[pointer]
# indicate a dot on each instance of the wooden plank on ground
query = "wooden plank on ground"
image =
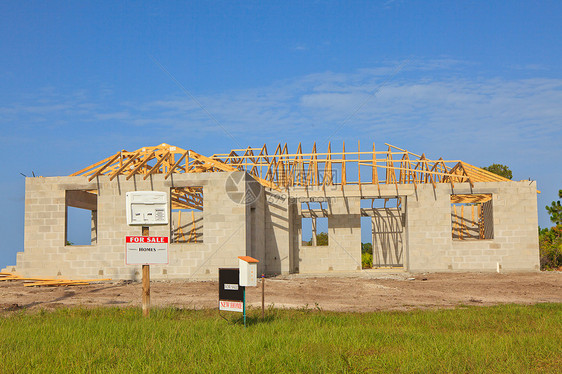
(56, 284)
(64, 282)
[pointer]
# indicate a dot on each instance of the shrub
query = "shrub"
(366, 260)
(550, 244)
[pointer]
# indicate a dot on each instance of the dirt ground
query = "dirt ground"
(359, 292)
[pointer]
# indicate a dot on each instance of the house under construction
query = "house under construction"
(423, 214)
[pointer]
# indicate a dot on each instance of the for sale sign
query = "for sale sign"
(146, 250)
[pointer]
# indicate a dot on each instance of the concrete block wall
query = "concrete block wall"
(515, 243)
(269, 228)
(46, 255)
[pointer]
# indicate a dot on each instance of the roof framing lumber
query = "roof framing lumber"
(283, 169)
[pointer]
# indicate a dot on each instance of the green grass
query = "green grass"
(509, 338)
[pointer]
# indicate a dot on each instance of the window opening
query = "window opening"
(81, 208)
(472, 217)
(314, 223)
(186, 223)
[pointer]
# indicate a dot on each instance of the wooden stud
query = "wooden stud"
(359, 166)
(343, 171)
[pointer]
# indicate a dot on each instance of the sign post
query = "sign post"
(244, 307)
(145, 280)
(146, 250)
(146, 290)
(263, 296)
(146, 208)
(248, 275)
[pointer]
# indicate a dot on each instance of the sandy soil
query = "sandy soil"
(365, 291)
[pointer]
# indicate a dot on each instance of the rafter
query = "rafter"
(284, 170)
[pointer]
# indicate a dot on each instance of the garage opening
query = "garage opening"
(382, 233)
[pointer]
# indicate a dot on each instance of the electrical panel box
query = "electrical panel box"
(248, 271)
(147, 208)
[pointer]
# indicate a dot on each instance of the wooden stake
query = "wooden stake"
(145, 282)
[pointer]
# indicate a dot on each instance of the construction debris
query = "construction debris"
(52, 282)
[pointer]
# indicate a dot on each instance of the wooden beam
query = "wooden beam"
(343, 171)
(87, 169)
(224, 167)
(359, 166)
(156, 166)
(111, 160)
(141, 164)
(124, 166)
(81, 199)
(171, 170)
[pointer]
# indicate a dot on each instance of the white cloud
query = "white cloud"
(420, 104)
(438, 107)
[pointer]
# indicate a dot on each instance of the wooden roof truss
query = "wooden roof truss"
(393, 166)
(282, 169)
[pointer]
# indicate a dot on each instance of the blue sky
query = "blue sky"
(477, 81)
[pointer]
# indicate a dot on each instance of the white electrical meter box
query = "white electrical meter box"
(248, 271)
(147, 208)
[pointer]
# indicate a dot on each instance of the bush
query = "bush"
(550, 245)
(550, 240)
(366, 260)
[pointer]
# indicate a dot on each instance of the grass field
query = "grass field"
(509, 338)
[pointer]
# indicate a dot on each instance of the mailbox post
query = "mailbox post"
(233, 282)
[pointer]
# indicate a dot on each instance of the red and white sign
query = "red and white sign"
(146, 250)
(146, 239)
(231, 306)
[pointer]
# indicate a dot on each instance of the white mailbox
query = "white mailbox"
(248, 271)
(147, 208)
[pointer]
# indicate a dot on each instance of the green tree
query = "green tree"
(367, 248)
(555, 210)
(499, 169)
(550, 240)
(322, 238)
(366, 260)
